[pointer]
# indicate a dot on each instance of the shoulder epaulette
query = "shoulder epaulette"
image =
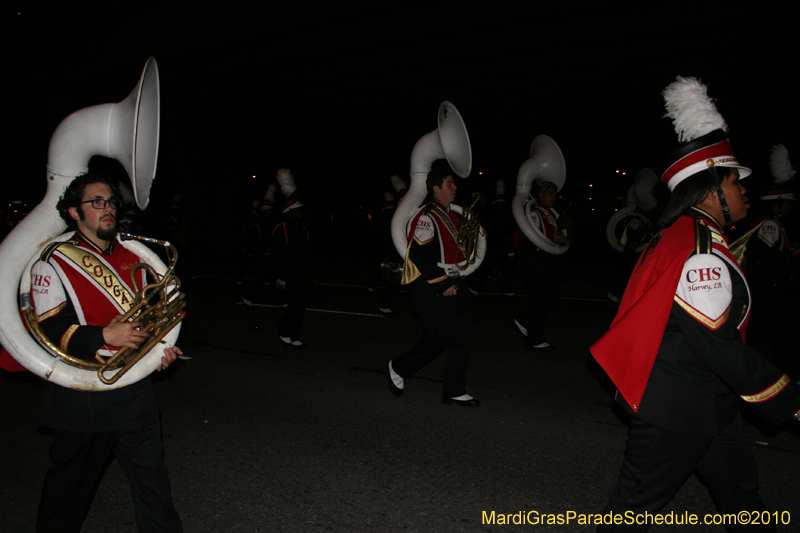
(428, 208)
(53, 246)
(702, 236)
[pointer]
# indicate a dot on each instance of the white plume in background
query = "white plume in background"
(780, 165)
(398, 183)
(270, 194)
(286, 181)
(692, 111)
(499, 188)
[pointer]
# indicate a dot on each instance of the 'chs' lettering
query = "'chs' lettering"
(41, 281)
(703, 274)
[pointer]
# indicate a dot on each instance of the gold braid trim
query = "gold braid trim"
(549, 216)
(448, 223)
(702, 237)
(765, 241)
(68, 337)
(53, 312)
(410, 270)
(769, 392)
(700, 317)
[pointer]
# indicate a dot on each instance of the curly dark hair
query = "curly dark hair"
(74, 195)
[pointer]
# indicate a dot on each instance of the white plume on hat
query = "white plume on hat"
(692, 111)
(398, 183)
(270, 194)
(286, 181)
(499, 188)
(780, 165)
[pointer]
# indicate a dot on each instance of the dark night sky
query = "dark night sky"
(341, 91)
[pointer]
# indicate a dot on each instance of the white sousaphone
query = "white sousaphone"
(546, 163)
(127, 131)
(449, 141)
(640, 195)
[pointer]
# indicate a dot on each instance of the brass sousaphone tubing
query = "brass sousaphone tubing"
(468, 232)
(157, 319)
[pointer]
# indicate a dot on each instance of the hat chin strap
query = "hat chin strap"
(723, 203)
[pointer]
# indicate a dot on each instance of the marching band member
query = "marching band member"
(638, 231)
(251, 252)
(441, 298)
(500, 230)
(676, 348)
(384, 250)
(80, 290)
(291, 253)
(541, 271)
(770, 261)
(255, 270)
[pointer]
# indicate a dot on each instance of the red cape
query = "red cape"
(628, 349)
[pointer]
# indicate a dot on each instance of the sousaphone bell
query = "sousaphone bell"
(450, 141)
(127, 131)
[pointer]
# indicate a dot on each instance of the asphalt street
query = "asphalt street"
(261, 439)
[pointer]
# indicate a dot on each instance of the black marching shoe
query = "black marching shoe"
(394, 389)
(465, 400)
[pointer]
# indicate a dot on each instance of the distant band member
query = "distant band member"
(771, 263)
(541, 271)
(293, 263)
(500, 254)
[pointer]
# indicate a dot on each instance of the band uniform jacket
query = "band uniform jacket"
(676, 348)
(546, 218)
(543, 218)
(77, 290)
(291, 252)
(432, 240)
(768, 255)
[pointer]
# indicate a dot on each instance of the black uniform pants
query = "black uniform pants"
(446, 323)
(298, 295)
(657, 462)
(79, 462)
(541, 274)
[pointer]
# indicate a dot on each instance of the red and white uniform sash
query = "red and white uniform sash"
(433, 225)
(446, 223)
(98, 285)
(546, 218)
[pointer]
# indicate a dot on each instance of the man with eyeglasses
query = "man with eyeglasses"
(80, 290)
